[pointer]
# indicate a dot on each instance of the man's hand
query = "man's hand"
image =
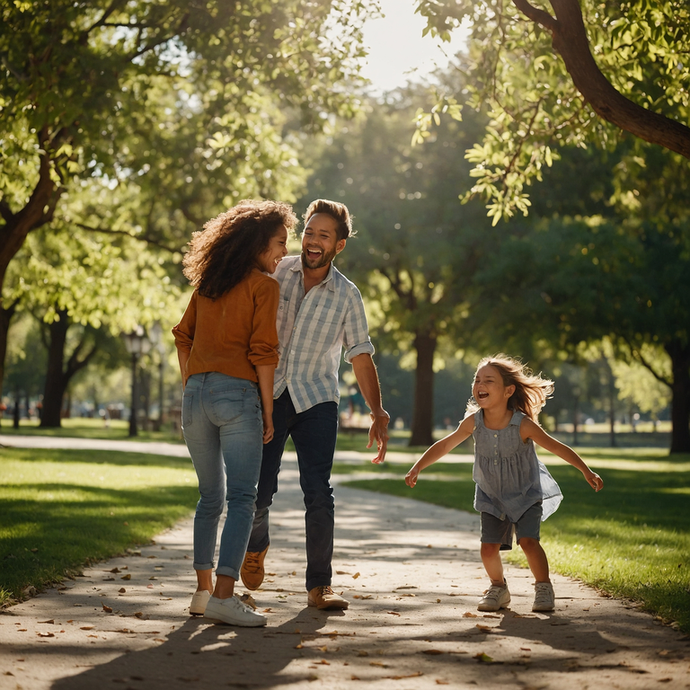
(378, 432)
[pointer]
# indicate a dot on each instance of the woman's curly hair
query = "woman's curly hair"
(531, 390)
(222, 254)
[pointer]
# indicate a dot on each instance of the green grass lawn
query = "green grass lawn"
(631, 540)
(62, 509)
(83, 427)
(348, 440)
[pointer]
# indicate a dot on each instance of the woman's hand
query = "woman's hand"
(268, 428)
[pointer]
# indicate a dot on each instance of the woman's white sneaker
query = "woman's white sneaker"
(233, 612)
(199, 601)
(544, 599)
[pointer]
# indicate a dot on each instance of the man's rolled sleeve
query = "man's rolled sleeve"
(356, 337)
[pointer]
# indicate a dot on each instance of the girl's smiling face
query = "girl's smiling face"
(488, 388)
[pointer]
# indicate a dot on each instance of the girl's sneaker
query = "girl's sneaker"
(544, 599)
(233, 612)
(495, 598)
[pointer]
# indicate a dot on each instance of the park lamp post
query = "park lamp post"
(137, 344)
(156, 338)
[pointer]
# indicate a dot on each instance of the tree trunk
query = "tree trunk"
(16, 415)
(680, 396)
(60, 374)
(423, 415)
(38, 211)
(56, 383)
(5, 319)
(612, 407)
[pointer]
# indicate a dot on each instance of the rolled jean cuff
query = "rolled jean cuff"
(227, 570)
(318, 582)
(202, 566)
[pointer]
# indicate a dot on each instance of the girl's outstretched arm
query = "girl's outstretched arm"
(441, 448)
(528, 429)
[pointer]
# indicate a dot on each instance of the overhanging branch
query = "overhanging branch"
(570, 40)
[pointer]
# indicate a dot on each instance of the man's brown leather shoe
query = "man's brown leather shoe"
(252, 570)
(325, 598)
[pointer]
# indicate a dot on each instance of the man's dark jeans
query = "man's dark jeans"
(314, 434)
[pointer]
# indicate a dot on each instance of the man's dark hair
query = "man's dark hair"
(335, 210)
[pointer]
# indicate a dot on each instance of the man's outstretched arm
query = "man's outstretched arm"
(368, 381)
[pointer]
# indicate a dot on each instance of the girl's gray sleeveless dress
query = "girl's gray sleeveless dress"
(509, 476)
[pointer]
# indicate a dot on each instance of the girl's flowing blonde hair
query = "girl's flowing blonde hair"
(531, 390)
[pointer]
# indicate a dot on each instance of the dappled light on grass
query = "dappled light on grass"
(64, 508)
(631, 540)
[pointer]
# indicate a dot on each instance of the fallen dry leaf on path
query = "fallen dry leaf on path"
(393, 613)
(469, 614)
(483, 658)
(409, 675)
(432, 651)
(128, 576)
(51, 621)
(46, 634)
(249, 600)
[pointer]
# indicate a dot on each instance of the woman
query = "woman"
(228, 350)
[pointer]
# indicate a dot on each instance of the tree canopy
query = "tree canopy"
(164, 111)
(580, 72)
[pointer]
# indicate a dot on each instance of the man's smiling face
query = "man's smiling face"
(320, 241)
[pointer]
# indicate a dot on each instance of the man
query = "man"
(319, 313)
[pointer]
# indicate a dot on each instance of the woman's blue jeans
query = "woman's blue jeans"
(223, 429)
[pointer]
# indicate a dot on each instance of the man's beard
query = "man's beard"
(325, 259)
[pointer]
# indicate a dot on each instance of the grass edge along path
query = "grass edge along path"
(631, 541)
(65, 509)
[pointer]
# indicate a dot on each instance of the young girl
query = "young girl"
(228, 349)
(514, 491)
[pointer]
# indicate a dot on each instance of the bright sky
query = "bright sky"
(398, 52)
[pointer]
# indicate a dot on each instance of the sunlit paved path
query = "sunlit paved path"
(412, 574)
